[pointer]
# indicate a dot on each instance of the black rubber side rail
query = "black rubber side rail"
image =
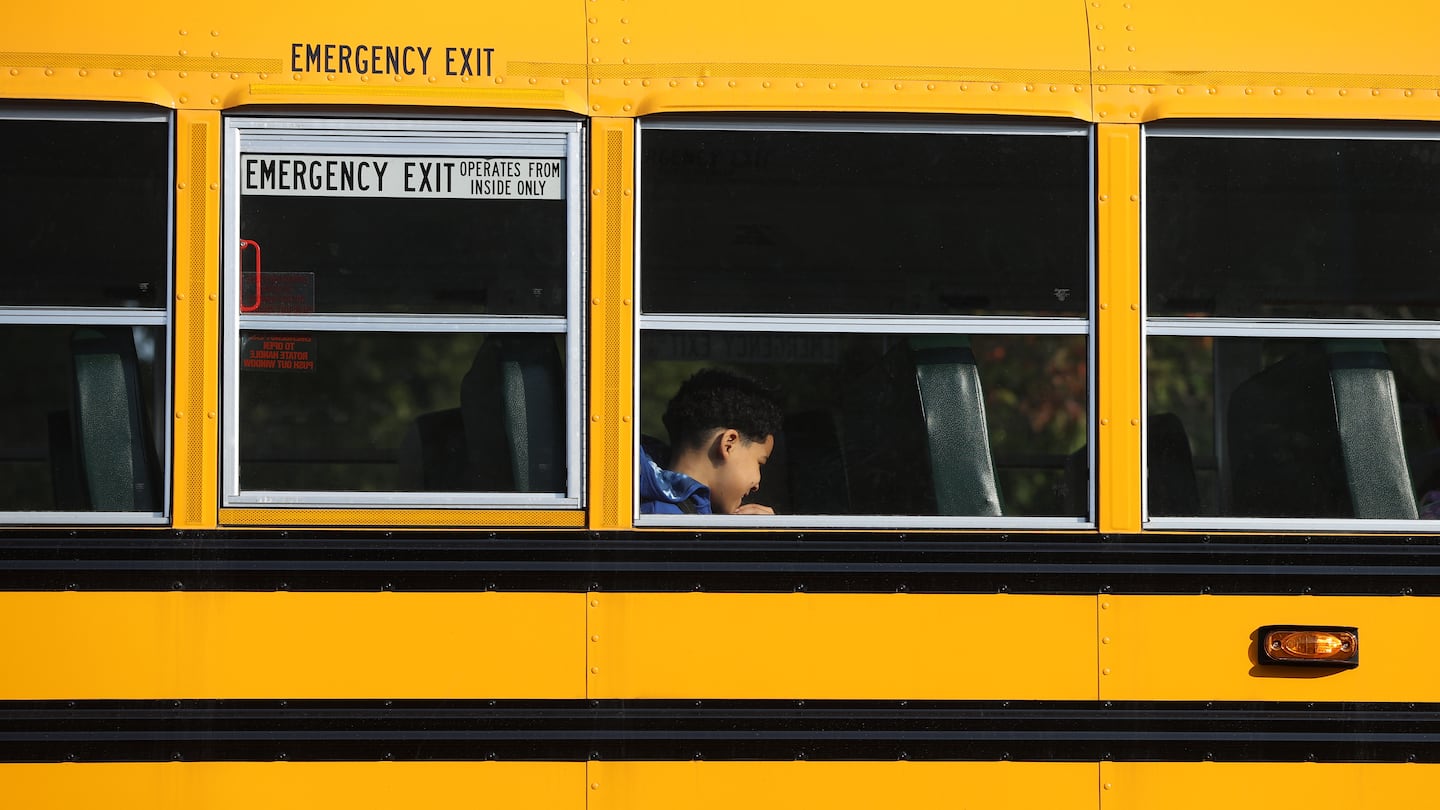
(321, 730)
(577, 561)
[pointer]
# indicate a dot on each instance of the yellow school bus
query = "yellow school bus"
(338, 340)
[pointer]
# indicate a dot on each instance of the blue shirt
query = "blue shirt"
(662, 491)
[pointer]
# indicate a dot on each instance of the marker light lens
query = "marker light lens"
(1310, 645)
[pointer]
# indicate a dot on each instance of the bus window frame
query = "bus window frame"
(863, 324)
(1313, 328)
(164, 318)
(410, 135)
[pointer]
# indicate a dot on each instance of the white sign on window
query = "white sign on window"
(446, 178)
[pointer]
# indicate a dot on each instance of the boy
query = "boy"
(722, 430)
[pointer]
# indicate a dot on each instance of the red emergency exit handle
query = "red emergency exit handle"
(244, 243)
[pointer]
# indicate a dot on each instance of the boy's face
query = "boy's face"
(739, 475)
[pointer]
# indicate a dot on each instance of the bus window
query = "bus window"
(930, 353)
(1289, 378)
(84, 218)
(403, 321)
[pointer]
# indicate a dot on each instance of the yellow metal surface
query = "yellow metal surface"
(837, 785)
(860, 646)
(1202, 648)
(197, 313)
(291, 785)
(1232, 58)
(219, 56)
(1266, 785)
(1118, 477)
(84, 646)
(650, 56)
(612, 322)
(409, 518)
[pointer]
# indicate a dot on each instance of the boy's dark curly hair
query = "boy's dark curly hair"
(713, 399)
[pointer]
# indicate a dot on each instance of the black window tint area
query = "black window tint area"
(851, 223)
(84, 213)
(338, 254)
(82, 433)
(401, 412)
(1293, 227)
(1293, 427)
(984, 425)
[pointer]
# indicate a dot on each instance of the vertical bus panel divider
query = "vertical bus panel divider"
(1120, 475)
(196, 324)
(612, 323)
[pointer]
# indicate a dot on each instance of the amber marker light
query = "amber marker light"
(1305, 645)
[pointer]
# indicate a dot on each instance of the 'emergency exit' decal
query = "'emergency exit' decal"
(409, 177)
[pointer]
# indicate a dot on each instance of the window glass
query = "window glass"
(864, 222)
(899, 424)
(363, 254)
(1251, 227)
(404, 313)
(1293, 427)
(385, 412)
(79, 426)
(84, 213)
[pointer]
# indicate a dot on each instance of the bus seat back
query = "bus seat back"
(111, 435)
(957, 435)
(512, 403)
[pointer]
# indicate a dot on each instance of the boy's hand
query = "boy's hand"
(754, 509)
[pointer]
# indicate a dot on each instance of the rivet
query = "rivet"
(594, 81)
(179, 296)
(1104, 421)
(1102, 88)
(624, 20)
(215, 100)
(119, 73)
(463, 79)
(16, 72)
(214, 75)
(595, 107)
(1052, 88)
(674, 83)
(626, 108)
(1099, 47)
(234, 75)
(732, 83)
(1104, 306)
(183, 32)
(1310, 91)
(597, 638)
(595, 301)
(594, 20)
(1134, 198)
(1079, 88)
(595, 418)
(1104, 605)
(1104, 197)
(499, 79)
(1129, 27)
(179, 414)
(1134, 422)
(625, 40)
(1107, 784)
(627, 192)
(927, 87)
(1249, 90)
(213, 296)
(594, 39)
(625, 419)
(1409, 93)
(1134, 114)
(1279, 91)
(397, 77)
(1211, 91)
(626, 302)
(1179, 91)
(1104, 114)
(1132, 50)
(211, 415)
(214, 186)
(594, 60)
(1374, 92)
(1105, 671)
(594, 785)
(645, 83)
(1344, 92)
(596, 671)
(699, 82)
(1105, 640)
(1150, 90)
(1099, 26)
(331, 78)
(1133, 88)
(533, 80)
(50, 72)
(594, 603)
(215, 54)
(1029, 88)
(564, 81)
(994, 87)
(764, 84)
(595, 192)
(964, 87)
(184, 52)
